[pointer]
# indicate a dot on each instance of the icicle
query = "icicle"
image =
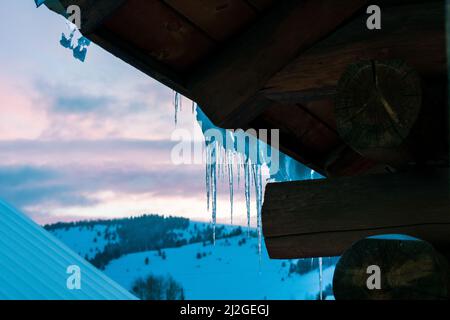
(320, 279)
(238, 168)
(247, 192)
(223, 162)
(230, 182)
(176, 104)
(220, 163)
(214, 188)
(208, 175)
(257, 179)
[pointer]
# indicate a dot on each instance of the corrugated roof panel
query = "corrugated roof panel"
(33, 265)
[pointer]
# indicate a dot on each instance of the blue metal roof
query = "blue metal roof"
(33, 265)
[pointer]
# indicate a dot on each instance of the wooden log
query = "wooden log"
(377, 105)
(409, 32)
(325, 217)
(391, 269)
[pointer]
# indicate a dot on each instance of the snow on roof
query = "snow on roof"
(33, 265)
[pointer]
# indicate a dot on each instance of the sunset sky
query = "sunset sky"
(88, 140)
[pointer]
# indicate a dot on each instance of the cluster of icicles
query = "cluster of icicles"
(225, 163)
(222, 163)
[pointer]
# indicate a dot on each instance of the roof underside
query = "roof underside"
(268, 64)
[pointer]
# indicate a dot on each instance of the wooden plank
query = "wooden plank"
(218, 18)
(409, 33)
(94, 12)
(324, 217)
(160, 32)
(233, 76)
(140, 60)
(260, 5)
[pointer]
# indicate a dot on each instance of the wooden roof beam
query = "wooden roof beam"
(260, 5)
(94, 12)
(228, 82)
(409, 33)
(140, 60)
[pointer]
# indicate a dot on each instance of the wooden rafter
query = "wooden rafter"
(94, 12)
(140, 60)
(227, 83)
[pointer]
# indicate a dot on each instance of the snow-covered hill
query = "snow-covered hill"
(230, 269)
(87, 241)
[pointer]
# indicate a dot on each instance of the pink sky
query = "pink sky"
(88, 140)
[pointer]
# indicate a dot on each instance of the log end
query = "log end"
(380, 269)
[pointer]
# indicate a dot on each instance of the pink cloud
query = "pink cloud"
(23, 114)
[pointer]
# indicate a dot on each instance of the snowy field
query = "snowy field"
(229, 271)
(232, 269)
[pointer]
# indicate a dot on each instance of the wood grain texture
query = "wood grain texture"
(325, 217)
(408, 270)
(160, 32)
(220, 19)
(377, 104)
(408, 32)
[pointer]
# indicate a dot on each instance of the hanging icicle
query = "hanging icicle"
(257, 179)
(214, 188)
(320, 279)
(238, 167)
(230, 182)
(247, 192)
(222, 156)
(208, 176)
(177, 105)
